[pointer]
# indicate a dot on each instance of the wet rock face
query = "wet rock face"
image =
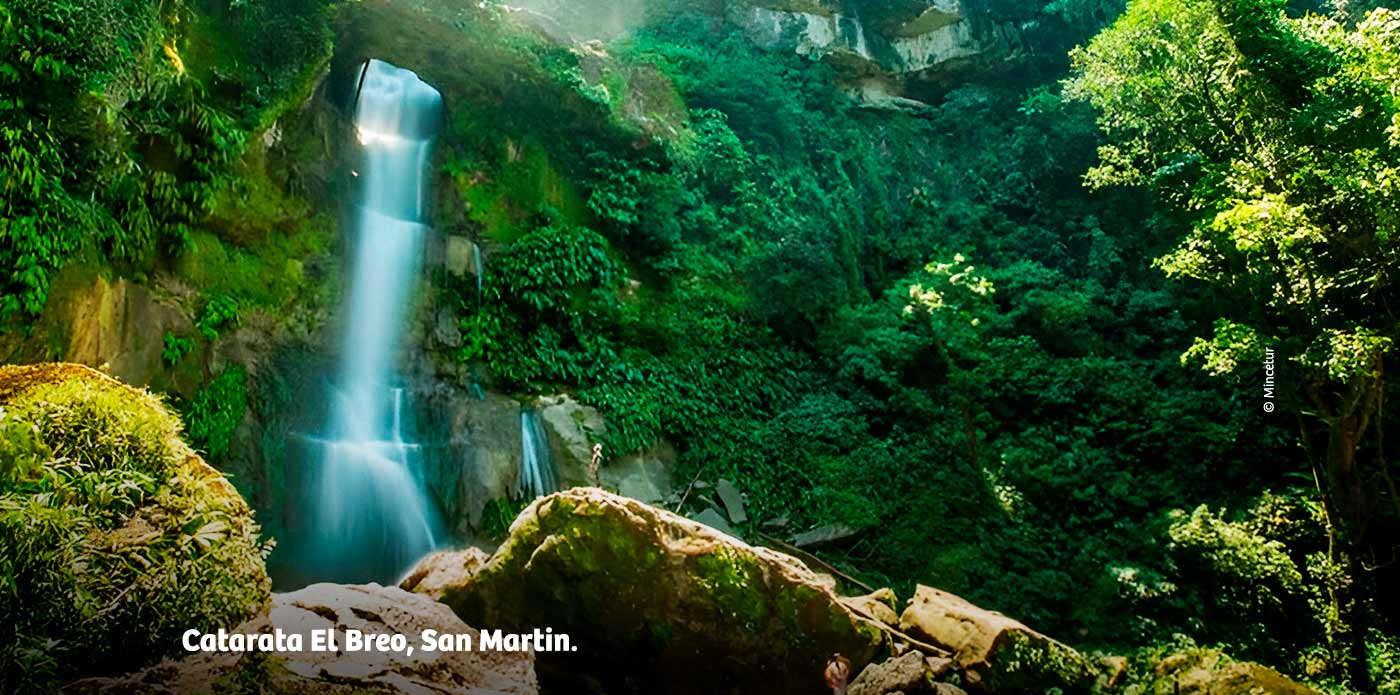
(999, 655)
(368, 609)
(94, 321)
(472, 453)
(573, 429)
(657, 603)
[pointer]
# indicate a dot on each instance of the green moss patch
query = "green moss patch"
(660, 602)
(107, 521)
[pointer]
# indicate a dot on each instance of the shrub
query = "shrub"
(1257, 590)
(102, 542)
(216, 410)
(221, 310)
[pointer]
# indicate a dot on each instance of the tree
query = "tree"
(1276, 141)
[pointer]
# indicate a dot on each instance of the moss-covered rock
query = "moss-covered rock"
(1210, 672)
(114, 536)
(658, 603)
(999, 655)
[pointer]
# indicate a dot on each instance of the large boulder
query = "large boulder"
(438, 573)
(370, 609)
(999, 654)
(107, 521)
(657, 603)
(644, 475)
(574, 428)
(1209, 672)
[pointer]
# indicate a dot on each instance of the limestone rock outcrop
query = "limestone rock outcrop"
(369, 609)
(998, 654)
(939, 42)
(475, 452)
(659, 603)
(572, 429)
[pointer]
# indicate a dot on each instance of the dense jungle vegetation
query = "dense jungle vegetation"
(1017, 336)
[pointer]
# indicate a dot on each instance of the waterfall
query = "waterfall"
(370, 513)
(862, 45)
(537, 476)
(480, 270)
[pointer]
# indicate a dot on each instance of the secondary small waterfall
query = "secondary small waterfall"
(856, 27)
(370, 513)
(537, 477)
(477, 265)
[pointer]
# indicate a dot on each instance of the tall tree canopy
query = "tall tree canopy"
(1275, 144)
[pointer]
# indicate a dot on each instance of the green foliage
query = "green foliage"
(215, 411)
(102, 542)
(717, 245)
(1280, 219)
(221, 310)
(1385, 663)
(1268, 139)
(769, 305)
(498, 515)
(112, 144)
(1258, 588)
(551, 302)
(175, 349)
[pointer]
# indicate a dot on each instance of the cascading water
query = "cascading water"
(853, 26)
(370, 515)
(862, 45)
(477, 264)
(537, 476)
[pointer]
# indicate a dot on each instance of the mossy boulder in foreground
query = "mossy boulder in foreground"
(115, 537)
(655, 602)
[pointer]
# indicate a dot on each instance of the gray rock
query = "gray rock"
(457, 257)
(901, 674)
(572, 429)
(645, 475)
(446, 330)
(371, 609)
(733, 501)
(936, 42)
(714, 520)
(824, 535)
(912, 674)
